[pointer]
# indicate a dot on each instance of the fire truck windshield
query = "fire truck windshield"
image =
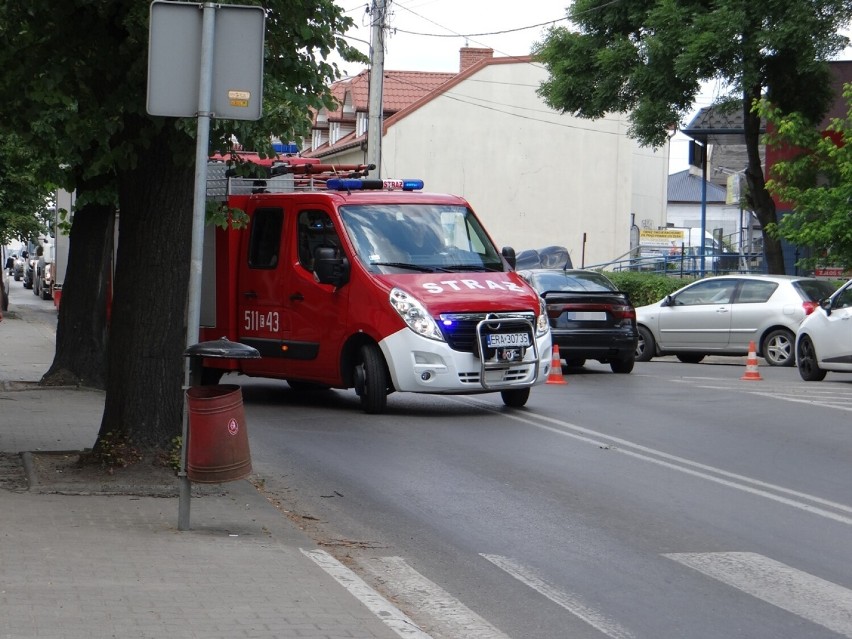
(419, 237)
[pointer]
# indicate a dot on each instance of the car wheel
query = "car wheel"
(646, 346)
(623, 364)
(515, 397)
(806, 359)
(778, 348)
(371, 380)
(690, 358)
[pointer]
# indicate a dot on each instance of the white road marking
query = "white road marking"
(394, 618)
(444, 615)
(680, 464)
(812, 598)
(571, 602)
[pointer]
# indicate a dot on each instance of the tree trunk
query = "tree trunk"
(758, 197)
(81, 333)
(144, 398)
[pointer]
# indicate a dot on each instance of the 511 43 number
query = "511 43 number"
(257, 321)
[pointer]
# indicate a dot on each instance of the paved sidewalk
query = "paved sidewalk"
(91, 567)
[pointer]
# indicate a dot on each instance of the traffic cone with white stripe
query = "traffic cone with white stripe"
(556, 376)
(752, 374)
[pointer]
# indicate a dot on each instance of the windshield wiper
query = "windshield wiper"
(469, 267)
(410, 267)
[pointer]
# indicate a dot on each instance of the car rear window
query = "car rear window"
(755, 292)
(814, 290)
(572, 282)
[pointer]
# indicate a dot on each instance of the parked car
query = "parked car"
(30, 265)
(17, 267)
(5, 281)
(723, 315)
(824, 340)
(589, 317)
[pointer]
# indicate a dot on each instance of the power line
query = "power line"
(473, 35)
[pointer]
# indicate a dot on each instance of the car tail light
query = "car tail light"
(624, 312)
(809, 307)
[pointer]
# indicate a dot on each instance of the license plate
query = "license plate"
(586, 316)
(497, 340)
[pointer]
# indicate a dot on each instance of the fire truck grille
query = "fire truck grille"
(459, 329)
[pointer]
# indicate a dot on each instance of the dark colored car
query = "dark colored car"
(589, 317)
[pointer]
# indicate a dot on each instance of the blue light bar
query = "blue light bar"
(356, 184)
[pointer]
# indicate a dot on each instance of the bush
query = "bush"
(646, 288)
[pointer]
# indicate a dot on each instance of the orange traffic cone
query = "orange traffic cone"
(556, 376)
(752, 374)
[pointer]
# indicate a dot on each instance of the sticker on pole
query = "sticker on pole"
(233, 426)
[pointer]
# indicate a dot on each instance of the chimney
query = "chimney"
(468, 56)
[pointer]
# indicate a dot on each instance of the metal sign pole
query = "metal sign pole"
(193, 312)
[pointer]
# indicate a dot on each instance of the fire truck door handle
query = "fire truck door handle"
(249, 294)
(297, 297)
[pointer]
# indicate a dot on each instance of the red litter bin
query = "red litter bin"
(218, 449)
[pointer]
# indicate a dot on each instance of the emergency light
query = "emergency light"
(356, 184)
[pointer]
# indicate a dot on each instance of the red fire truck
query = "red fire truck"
(344, 282)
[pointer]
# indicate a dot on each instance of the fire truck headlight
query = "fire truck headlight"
(414, 315)
(541, 323)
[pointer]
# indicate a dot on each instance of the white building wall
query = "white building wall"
(723, 216)
(536, 178)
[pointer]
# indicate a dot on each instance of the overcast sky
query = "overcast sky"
(426, 35)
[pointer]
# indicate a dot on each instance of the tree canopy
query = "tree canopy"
(74, 80)
(648, 58)
(24, 196)
(816, 181)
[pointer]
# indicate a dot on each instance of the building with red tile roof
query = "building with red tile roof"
(536, 177)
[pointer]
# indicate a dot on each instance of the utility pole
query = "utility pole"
(377, 73)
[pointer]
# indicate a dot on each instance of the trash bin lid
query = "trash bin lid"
(222, 348)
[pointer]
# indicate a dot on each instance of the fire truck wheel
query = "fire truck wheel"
(371, 381)
(516, 397)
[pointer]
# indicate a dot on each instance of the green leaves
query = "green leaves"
(815, 181)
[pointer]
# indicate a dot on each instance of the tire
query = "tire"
(777, 348)
(515, 397)
(371, 380)
(689, 358)
(806, 359)
(622, 365)
(646, 346)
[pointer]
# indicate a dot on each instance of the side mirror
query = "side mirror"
(509, 255)
(668, 300)
(329, 267)
(826, 305)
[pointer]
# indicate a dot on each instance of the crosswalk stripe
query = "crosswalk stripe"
(571, 602)
(803, 594)
(444, 615)
(394, 618)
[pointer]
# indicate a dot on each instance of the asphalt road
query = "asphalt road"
(678, 501)
(675, 502)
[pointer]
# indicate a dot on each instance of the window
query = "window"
(753, 292)
(265, 238)
(316, 230)
(707, 292)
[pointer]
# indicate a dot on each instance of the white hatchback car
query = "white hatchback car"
(824, 340)
(723, 315)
